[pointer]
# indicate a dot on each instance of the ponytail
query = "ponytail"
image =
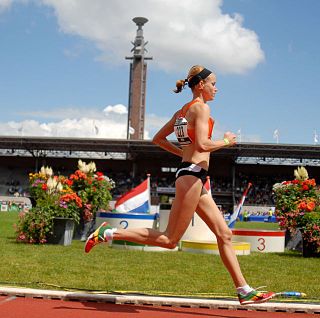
(180, 84)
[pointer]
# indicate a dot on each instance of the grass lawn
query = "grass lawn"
(257, 225)
(180, 273)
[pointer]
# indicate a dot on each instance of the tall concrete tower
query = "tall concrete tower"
(137, 83)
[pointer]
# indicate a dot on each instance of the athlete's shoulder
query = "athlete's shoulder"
(201, 107)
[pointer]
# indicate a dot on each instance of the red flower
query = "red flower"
(69, 182)
(99, 174)
(44, 187)
(74, 177)
(305, 187)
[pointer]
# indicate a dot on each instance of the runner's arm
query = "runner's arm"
(161, 140)
(203, 143)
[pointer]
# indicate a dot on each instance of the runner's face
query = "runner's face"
(210, 89)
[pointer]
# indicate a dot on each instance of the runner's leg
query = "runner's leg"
(211, 215)
(188, 190)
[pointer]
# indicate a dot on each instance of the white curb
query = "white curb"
(160, 301)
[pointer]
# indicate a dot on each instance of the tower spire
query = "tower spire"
(137, 83)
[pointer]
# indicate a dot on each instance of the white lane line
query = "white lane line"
(8, 299)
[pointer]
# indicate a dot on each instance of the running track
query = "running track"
(17, 307)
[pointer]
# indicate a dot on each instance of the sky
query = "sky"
(63, 70)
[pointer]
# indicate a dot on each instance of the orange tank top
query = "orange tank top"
(186, 135)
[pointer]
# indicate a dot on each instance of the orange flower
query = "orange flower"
(311, 182)
(302, 205)
(72, 197)
(310, 206)
(81, 174)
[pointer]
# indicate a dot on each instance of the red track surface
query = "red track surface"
(12, 307)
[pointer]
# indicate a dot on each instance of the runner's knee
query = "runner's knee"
(225, 236)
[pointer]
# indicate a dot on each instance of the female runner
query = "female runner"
(193, 127)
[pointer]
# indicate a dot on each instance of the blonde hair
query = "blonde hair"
(194, 70)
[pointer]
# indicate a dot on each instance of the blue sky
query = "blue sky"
(63, 72)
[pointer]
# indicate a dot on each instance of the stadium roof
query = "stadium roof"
(145, 148)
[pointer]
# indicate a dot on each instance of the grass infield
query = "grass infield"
(171, 273)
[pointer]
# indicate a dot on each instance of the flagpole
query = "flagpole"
(209, 185)
(237, 212)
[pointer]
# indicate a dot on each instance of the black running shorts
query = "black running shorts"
(191, 169)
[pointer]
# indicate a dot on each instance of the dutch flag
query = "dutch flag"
(137, 200)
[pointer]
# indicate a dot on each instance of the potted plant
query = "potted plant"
(310, 228)
(54, 201)
(298, 208)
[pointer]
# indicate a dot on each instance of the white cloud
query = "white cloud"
(5, 4)
(181, 33)
(83, 127)
(117, 109)
(101, 124)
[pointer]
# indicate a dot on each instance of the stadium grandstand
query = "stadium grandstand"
(128, 162)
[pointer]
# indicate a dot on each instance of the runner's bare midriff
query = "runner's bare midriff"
(199, 158)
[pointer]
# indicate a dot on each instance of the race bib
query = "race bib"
(181, 131)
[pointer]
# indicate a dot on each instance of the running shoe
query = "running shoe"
(255, 297)
(97, 237)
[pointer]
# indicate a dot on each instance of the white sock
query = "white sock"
(108, 234)
(244, 290)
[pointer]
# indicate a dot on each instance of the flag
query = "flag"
(95, 128)
(207, 185)
(315, 137)
(137, 200)
(276, 135)
(236, 213)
